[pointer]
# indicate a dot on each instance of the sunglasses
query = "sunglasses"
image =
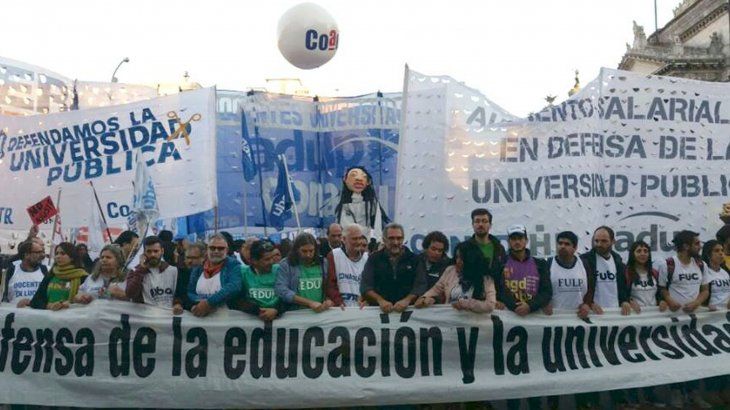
(217, 248)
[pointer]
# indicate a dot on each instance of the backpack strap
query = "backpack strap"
(670, 270)
(701, 264)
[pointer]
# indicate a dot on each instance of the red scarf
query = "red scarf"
(210, 270)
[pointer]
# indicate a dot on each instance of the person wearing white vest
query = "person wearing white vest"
(572, 287)
(23, 279)
(154, 281)
(572, 290)
(681, 284)
(607, 268)
(345, 268)
(717, 276)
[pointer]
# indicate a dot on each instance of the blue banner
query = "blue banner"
(320, 140)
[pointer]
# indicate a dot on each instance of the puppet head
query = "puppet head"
(357, 179)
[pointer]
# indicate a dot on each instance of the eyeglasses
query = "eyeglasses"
(217, 248)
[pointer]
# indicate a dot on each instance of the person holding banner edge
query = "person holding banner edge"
(641, 280)
(154, 281)
(258, 280)
(723, 236)
(717, 277)
(23, 279)
(391, 278)
(527, 286)
(300, 277)
(345, 266)
(108, 277)
(526, 289)
(572, 287)
(217, 282)
(464, 285)
(606, 266)
(59, 288)
(681, 285)
(433, 258)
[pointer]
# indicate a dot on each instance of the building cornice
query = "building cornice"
(704, 22)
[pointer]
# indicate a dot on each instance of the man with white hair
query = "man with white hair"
(345, 268)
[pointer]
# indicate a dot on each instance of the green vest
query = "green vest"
(310, 282)
(260, 287)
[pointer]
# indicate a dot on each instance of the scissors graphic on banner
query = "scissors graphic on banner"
(182, 126)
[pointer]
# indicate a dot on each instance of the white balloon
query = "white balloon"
(308, 36)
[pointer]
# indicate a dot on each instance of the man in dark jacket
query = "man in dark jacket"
(433, 260)
(391, 278)
(607, 269)
(481, 222)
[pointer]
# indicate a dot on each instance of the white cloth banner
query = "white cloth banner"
(646, 155)
(174, 134)
(117, 354)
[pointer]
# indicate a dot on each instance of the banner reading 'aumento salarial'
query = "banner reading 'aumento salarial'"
(646, 155)
(117, 354)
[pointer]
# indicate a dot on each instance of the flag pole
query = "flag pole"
(215, 219)
(258, 166)
(55, 220)
(282, 158)
(101, 212)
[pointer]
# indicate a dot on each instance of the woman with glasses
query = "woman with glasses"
(59, 288)
(301, 275)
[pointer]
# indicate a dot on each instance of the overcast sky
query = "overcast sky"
(515, 52)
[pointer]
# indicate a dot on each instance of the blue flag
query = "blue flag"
(247, 162)
(282, 202)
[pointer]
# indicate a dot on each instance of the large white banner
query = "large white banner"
(117, 354)
(646, 155)
(64, 152)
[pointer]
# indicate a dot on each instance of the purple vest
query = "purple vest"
(521, 278)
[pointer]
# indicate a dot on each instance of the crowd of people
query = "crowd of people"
(345, 269)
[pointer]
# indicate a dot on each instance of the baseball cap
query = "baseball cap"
(517, 229)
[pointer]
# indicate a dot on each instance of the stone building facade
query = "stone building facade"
(694, 44)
